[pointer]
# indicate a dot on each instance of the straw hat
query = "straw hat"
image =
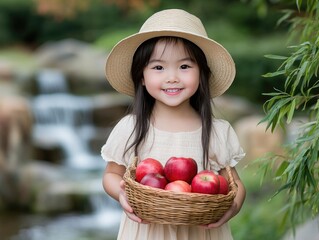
(172, 22)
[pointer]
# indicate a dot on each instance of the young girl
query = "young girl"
(173, 70)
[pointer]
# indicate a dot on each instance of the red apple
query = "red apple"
(155, 180)
(223, 185)
(180, 168)
(148, 165)
(206, 182)
(178, 186)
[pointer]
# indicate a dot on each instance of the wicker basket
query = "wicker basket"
(167, 207)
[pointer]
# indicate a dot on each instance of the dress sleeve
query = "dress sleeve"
(119, 138)
(225, 147)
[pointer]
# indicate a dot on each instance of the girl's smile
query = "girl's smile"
(172, 91)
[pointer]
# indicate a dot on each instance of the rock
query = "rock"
(79, 61)
(254, 138)
(232, 108)
(15, 131)
(50, 188)
(34, 179)
(65, 196)
(6, 70)
(309, 230)
(15, 145)
(108, 108)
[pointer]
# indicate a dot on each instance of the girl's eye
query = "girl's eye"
(184, 66)
(158, 68)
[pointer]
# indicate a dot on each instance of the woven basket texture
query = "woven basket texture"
(167, 207)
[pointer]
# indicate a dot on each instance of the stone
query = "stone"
(254, 138)
(308, 230)
(6, 70)
(232, 108)
(76, 59)
(50, 188)
(15, 131)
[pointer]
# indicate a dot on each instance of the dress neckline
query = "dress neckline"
(180, 132)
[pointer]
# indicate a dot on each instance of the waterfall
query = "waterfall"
(51, 81)
(64, 120)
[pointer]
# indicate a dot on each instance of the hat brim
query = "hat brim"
(119, 61)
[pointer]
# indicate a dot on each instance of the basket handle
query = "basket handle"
(231, 178)
(130, 167)
(134, 162)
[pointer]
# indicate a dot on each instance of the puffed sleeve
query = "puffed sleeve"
(225, 149)
(117, 141)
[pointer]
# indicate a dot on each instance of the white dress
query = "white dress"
(161, 145)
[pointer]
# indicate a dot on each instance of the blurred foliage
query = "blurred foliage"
(260, 217)
(24, 22)
(36, 21)
(104, 22)
(61, 9)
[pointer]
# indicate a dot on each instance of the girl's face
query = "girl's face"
(171, 76)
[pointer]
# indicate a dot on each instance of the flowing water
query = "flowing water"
(64, 120)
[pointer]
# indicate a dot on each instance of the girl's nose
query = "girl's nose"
(172, 77)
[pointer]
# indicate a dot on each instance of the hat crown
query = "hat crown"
(174, 20)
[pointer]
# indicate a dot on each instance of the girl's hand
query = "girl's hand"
(232, 211)
(126, 206)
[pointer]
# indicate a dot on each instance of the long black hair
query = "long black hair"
(143, 103)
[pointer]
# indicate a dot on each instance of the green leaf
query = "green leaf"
(274, 74)
(291, 111)
(275, 113)
(287, 15)
(291, 79)
(302, 70)
(298, 2)
(284, 187)
(281, 168)
(290, 61)
(310, 177)
(278, 57)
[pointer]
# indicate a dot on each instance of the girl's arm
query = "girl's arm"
(237, 203)
(114, 186)
(111, 179)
